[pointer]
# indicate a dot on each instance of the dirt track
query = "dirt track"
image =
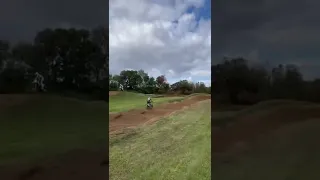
(78, 164)
(132, 118)
(9, 100)
(253, 126)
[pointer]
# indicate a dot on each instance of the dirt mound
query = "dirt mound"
(9, 100)
(251, 126)
(113, 93)
(79, 164)
(132, 118)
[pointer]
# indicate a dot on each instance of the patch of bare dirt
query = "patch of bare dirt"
(250, 127)
(78, 164)
(132, 118)
(9, 100)
(113, 93)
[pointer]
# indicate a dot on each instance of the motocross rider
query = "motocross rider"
(149, 100)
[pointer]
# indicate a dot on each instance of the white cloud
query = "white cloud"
(159, 37)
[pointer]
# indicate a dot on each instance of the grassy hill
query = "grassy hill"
(124, 101)
(33, 126)
(177, 147)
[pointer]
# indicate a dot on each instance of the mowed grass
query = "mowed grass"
(289, 152)
(50, 125)
(125, 101)
(178, 147)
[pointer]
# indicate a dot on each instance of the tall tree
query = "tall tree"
(4, 51)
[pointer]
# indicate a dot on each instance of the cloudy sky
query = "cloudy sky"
(273, 31)
(170, 37)
(20, 20)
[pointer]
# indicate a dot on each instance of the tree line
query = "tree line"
(140, 81)
(75, 61)
(57, 60)
(239, 82)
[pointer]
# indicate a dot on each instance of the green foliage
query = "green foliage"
(141, 82)
(4, 51)
(130, 79)
(238, 82)
(77, 60)
(68, 59)
(12, 79)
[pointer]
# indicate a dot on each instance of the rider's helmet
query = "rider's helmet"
(149, 98)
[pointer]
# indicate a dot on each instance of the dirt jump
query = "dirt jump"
(269, 140)
(250, 127)
(78, 164)
(9, 100)
(133, 118)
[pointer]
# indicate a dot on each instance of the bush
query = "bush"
(13, 80)
(113, 86)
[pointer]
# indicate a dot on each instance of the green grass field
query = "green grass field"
(125, 101)
(178, 147)
(50, 125)
(288, 152)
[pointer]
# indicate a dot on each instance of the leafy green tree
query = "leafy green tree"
(99, 56)
(4, 52)
(12, 79)
(130, 79)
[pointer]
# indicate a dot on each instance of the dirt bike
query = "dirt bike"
(149, 105)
